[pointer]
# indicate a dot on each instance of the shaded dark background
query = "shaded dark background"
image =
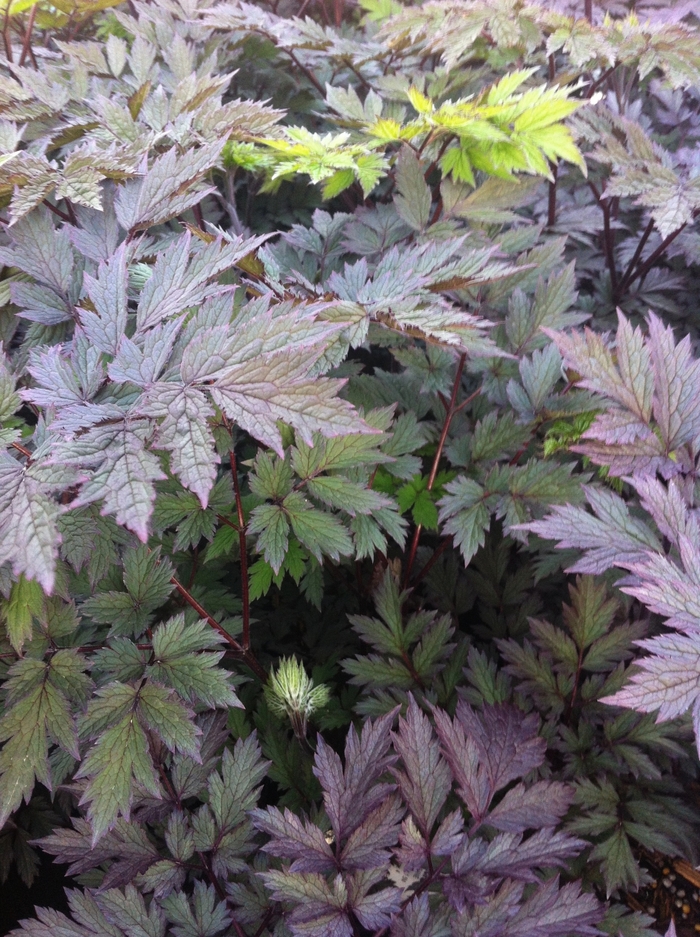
(17, 901)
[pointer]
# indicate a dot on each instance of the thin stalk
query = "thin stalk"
(449, 414)
(23, 449)
(577, 680)
(245, 592)
(435, 217)
(428, 139)
(6, 34)
(27, 44)
(588, 10)
(608, 238)
(433, 560)
(609, 246)
(593, 87)
(637, 254)
(552, 199)
(269, 914)
(225, 520)
(358, 74)
(441, 153)
(245, 653)
(307, 71)
(71, 214)
(644, 268)
(57, 211)
(552, 194)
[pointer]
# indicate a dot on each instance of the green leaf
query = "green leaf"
(42, 715)
(225, 540)
(414, 199)
(464, 514)
(260, 576)
(311, 584)
(424, 510)
(339, 492)
(270, 522)
(183, 660)
(319, 532)
(209, 918)
(271, 477)
(617, 862)
(118, 759)
(170, 719)
(339, 452)
(147, 581)
(408, 494)
(590, 614)
(26, 601)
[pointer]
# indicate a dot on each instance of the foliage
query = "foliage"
(651, 406)
(294, 400)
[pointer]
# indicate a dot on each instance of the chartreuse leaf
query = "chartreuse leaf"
(503, 132)
(379, 10)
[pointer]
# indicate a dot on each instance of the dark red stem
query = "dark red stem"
(245, 653)
(27, 44)
(644, 268)
(635, 259)
(449, 414)
(6, 34)
(245, 592)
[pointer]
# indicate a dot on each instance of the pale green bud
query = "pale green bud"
(290, 692)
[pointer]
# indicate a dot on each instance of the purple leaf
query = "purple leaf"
(448, 834)
(507, 740)
(367, 846)
(372, 909)
(420, 920)
(426, 780)
(351, 794)
(555, 912)
(293, 838)
(541, 805)
(490, 918)
(321, 908)
(462, 755)
(413, 850)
